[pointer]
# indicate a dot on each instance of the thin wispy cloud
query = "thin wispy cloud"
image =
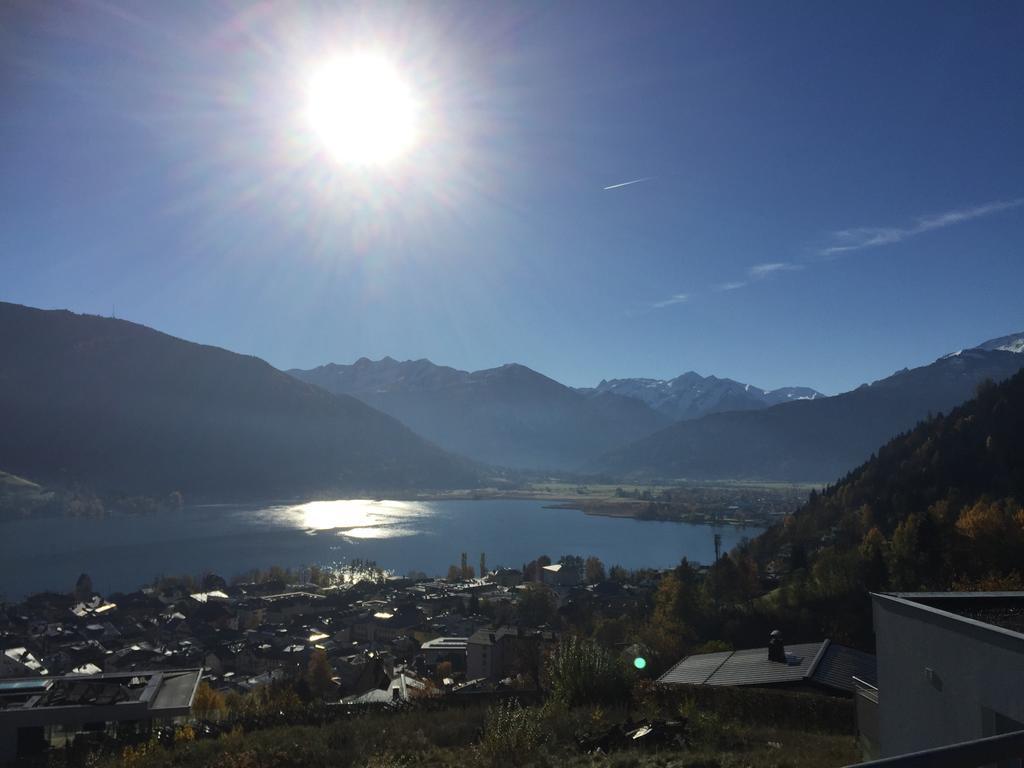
(844, 241)
(763, 270)
(859, 238)
(629, 183)
(678, 298)
(759, 272)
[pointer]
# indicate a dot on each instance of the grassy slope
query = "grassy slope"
(450, 737)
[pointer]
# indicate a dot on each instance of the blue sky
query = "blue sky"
(834, 190)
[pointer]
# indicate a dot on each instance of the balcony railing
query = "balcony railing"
(866, 701)
(967, 754)
(865, 690)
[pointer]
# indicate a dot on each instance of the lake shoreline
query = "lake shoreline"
(122, 551)
(595, 506)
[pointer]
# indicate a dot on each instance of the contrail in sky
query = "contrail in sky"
(627, 183)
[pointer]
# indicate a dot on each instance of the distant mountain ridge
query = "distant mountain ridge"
(814, 440)
(386, 375)
(123, 409)
(691, 395)
(510, 415)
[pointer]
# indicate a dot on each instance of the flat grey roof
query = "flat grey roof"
(1001, 613)
(445, 643)
(177, 691)
(1000, 609)
(160, 693)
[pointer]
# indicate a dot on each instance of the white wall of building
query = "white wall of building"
(942, 678)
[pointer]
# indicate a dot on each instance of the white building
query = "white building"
(950, 669)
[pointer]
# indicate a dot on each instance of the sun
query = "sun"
(362, 109)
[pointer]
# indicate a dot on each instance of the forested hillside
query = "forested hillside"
(937, 508)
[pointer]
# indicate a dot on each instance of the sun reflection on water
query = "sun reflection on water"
(353, 518)
(376, 532)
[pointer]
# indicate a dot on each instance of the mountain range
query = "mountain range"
(691, 395)
(817, 439)
(692, 426)
(510, 416)
(123, 409)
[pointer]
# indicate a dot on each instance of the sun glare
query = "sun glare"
(362, 110)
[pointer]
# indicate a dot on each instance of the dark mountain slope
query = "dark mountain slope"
(945, 495)
(813, 440)
(509, 415)
(938, 508)
(122, 408)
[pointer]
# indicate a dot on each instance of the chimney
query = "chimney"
(776, 650)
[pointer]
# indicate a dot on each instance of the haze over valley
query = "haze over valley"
(511, 384)
(122, 410)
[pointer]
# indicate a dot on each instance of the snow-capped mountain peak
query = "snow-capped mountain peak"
(1012, 343)
(690, 395)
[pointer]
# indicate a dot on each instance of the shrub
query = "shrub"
(777, 709)
(208, 704)
(511, 733)
(709, 729)
(581, 672)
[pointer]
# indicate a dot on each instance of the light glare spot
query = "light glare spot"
(362, 110)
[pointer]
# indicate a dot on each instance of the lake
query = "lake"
(123, 552)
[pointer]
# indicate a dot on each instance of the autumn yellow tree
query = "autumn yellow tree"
(208, 703)
(666, 633)
(319, 674)
(872, 557)
(987, 523)
(995, 530)
(904, 553)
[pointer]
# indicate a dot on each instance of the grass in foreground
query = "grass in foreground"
(502, 735)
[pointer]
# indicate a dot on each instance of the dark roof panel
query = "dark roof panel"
(752, 667)
(695, 670)
(839, 665)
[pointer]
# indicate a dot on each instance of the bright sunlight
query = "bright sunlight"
(362, 110)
